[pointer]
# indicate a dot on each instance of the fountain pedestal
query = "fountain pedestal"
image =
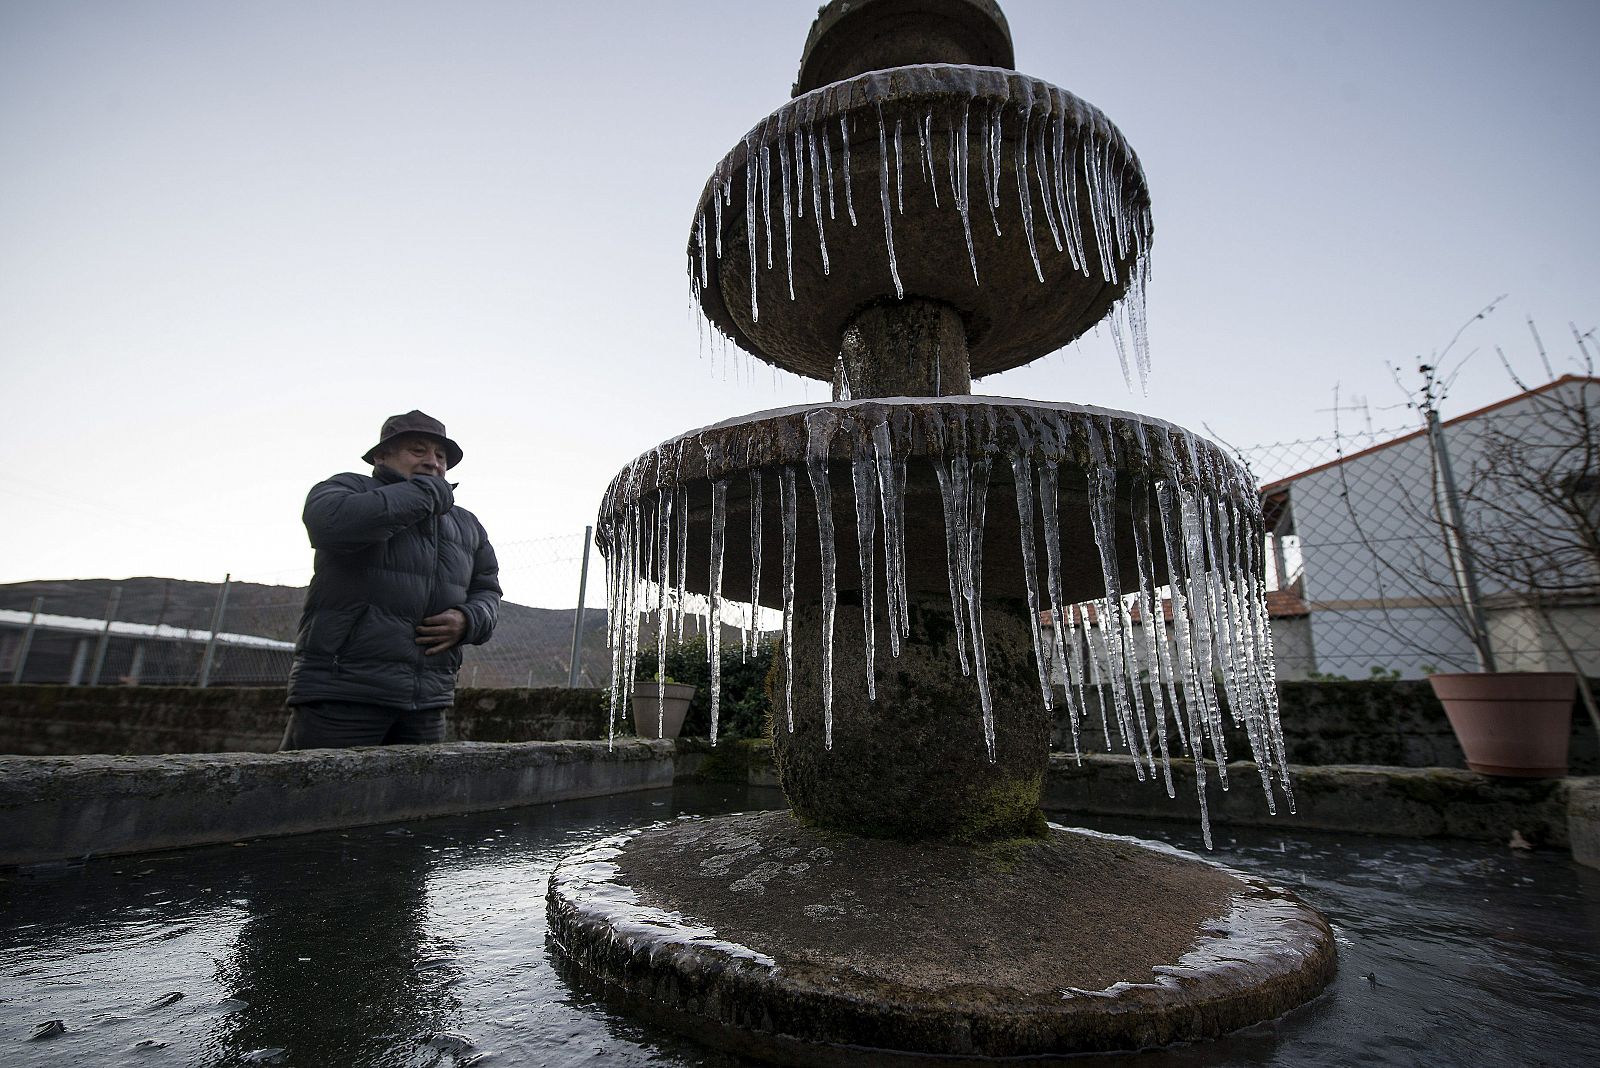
(913, 764)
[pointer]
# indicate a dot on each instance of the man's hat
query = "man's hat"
(414, 422)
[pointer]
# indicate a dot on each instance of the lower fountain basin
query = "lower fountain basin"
(764, 936)
(1112, 522)
(749, 454)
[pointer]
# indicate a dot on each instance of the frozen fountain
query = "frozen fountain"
(920, 215)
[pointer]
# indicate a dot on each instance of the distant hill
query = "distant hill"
(530, 648)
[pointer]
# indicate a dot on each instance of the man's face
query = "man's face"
(414, 454)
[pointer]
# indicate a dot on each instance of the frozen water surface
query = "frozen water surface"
(423, 944)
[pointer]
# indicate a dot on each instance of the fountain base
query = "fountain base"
(761, 935)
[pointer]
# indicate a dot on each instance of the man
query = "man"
(403, 579)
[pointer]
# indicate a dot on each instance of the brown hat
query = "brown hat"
(414, 422)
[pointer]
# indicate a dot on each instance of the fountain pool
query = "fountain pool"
(423, 945)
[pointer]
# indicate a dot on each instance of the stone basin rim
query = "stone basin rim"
(1268, 946)
(625, 488)
(917, 83)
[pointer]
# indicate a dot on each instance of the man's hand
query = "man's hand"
(441, 632)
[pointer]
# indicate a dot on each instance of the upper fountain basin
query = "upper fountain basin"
(1013, 201)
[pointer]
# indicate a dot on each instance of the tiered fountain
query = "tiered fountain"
(920, 215)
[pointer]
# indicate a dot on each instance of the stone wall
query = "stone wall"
(56, 809)
(1393, 724)
(58, 720)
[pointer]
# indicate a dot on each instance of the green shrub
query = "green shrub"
(744, 710)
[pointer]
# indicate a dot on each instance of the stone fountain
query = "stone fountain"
(918, 216)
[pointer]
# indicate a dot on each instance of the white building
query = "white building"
(1360, 542)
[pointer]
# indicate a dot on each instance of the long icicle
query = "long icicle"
(820, 426)
(888, 211)
(786, 495)
(1022, 475)
(863, 475)
(719, 512)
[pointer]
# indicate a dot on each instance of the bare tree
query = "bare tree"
(1521, 527)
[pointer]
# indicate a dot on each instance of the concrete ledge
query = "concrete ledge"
(1583, 821)
(59, 808)
(1406, 802)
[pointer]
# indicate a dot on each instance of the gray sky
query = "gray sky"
(233, 237)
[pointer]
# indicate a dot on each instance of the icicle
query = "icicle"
(799, 175)
(788, 208)
(1102, 516)
(849, 179)
(1060, 612)
(787, 498)
(700, 243)
(888, 216)
(752, 630)
(955, 513)
(750, 225)
(991, 163)
(972, 590)
(863, 474)
(1163, 692)
(820, 426)
(891, 485)
(1076, 700)
(766, 199)
(1022, 475)
(682, 570)
(1024, 197)
(963, 200)
(663, 615)
(716, 208)
(827, 166)
(816, 195)
(841, 378)
(1041, 173)
(899, 167)
(719, 510)
(925, 133)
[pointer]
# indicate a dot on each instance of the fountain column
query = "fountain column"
(908, 348)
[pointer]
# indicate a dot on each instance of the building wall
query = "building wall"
(1376, 568)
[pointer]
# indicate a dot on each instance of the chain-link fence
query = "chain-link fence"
(1396, 553)
(1371, 572)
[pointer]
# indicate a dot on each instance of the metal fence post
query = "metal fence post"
(1466, 573)
(216, 625)
(105, 636)
(577, 620)
(27, 641)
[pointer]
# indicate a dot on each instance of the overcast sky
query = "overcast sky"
(234, 237)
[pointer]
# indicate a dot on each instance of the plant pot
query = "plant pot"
(665, 712)
(1512, 723)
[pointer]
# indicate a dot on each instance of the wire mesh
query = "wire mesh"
(1364, 570)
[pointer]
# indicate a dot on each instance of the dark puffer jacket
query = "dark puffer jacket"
(390, 552)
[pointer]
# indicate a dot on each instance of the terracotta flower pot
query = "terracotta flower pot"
(1512, 723)
(665, 713)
